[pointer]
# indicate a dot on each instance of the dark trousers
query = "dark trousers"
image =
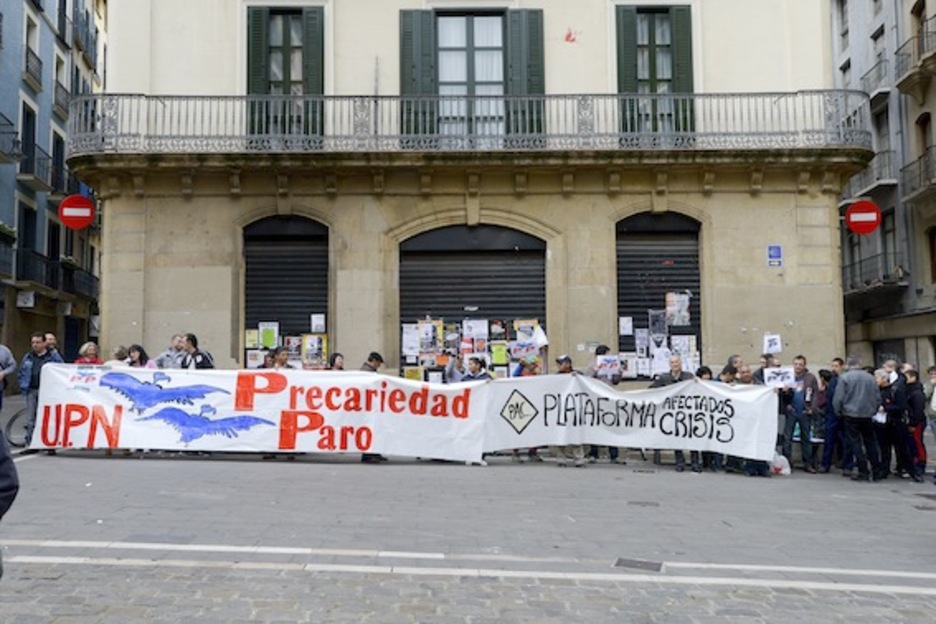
(835, 438)
(693, 457)
(612, 452)
(860, 435)
(893, 440)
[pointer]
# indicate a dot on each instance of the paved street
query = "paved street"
(328, 539)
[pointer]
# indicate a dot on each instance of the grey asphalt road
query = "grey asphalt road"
(233, 538)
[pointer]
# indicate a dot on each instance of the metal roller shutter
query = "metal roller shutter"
(651, 264)
(480, 272)
(286, 266)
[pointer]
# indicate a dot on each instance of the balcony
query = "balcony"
(915, 62)
(876, 82)
(84, 38)
(36, 169)
(63, 185)
(77, 281)
(687, 126)
(881, 172)
(64, 26)
(879, 273)
(32, 70)
(35, 269)
(10, 151)
(6, 258)
(918, 179)
(60, 106)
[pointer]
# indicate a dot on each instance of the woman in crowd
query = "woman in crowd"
(88, 354)
(138, 357)
(335, 361)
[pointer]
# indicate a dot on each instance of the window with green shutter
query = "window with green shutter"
(654, 56)
(285, 65)
(455, 69)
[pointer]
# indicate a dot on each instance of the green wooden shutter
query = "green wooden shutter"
(681, 21)
(258, 49)
(526, 76)
(418, 72)
(313, 50)
(627, 49)
(258, 72)
(313, 69)
(626, 22)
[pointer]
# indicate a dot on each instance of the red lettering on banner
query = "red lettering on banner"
(289, 426)
(44, 428)
(247, 387)
(397, 400)
(332, 398)
(75, 416)
(460, 405)
(361, 437)
(111, 428)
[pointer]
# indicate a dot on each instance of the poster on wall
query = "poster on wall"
(430, 336)
(269, 334)
(251, 339)
(317, 323)
(314, 350)
(657, 322)
(254, 358)
(410, 339)
(293, 346)
(772, 343)
(642, 342)
(625, 325)
(677, 309)
(498, 330)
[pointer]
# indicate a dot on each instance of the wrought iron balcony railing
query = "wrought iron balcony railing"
(881, 170)
(63, 182)
(32, 266)
(6, 258)
(32, 70)
(80, 282)
(874, 272)
(61, 99)
(10, 148)
(100, 123)
(37, 163)
(876, 78)
(920, 175)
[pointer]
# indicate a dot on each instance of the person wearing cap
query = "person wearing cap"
(373, 363)
(567, 452)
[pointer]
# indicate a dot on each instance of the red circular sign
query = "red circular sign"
(863, 217)
(76, 212)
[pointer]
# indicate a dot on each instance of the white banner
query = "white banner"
(325, 412)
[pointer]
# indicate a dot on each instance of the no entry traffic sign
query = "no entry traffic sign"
(76, 212)
(863, 217)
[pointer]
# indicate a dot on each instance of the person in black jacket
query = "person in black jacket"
(9, 484)
(916, 425)
(890, 432)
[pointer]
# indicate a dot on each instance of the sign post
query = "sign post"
(76, 212)
(863, 217)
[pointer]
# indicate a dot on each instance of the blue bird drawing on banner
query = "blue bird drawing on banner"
(195, 426)
(147, 394)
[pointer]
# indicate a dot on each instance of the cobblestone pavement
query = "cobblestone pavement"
(233, 538)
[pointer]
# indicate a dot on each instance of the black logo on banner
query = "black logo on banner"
(518, 411)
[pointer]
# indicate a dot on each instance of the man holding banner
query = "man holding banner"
(675, 375)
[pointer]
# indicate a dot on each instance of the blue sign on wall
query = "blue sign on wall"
(775, 255)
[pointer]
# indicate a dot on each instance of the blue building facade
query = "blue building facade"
(49, 51)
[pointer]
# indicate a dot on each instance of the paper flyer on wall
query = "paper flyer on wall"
(625, 325)
(409, 339)
(251, 339)
(269, 334)
(642, 342)
(677, 309)
(430, 336)
(628, 365)
(317, 323)
(773, 343)
(500, 354)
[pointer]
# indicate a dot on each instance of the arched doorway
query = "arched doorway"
(286, 273)
(489, 274)
(658, 269)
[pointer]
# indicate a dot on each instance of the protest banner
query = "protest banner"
(350, 411)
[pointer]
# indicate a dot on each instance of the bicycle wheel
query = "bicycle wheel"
(16, 428)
